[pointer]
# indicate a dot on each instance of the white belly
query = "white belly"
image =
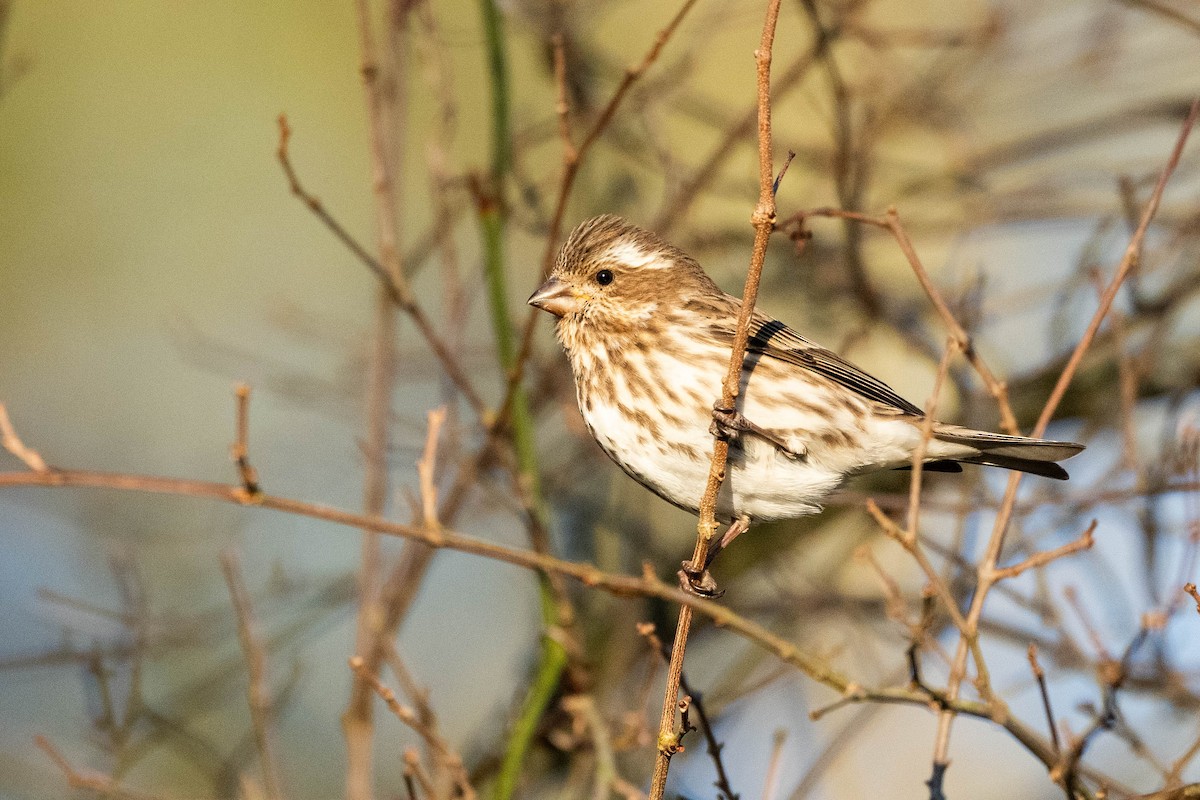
(670, 453)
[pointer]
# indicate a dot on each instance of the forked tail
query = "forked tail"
(1021, 453)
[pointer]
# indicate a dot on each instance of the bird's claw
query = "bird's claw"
(729, 424)
(699, 582)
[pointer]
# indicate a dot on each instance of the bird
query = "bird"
(649, 336)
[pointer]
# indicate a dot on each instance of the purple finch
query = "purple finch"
(649, 335)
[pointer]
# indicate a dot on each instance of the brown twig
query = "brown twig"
(1039, 675)
(714, 747)
(771, 784)
(13, 444)
(102, 784)
(953, 346)
(1190, 589)
(239, 451)
(258, 695)
(562, 108)
(890, 221)
(357, 720)
(392, 280)
(432, 738)
(1041, 559)
(414, 771)
(426, 467)
(763, 220)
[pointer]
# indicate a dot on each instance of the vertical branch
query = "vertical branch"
(763, 220)
(239, 451)
(258, 696)
(556, 610)
(357, 720)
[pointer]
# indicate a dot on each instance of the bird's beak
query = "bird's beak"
(555, 296)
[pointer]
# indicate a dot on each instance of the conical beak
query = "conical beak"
(555, 296)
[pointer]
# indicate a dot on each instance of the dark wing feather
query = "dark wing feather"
(771, 338)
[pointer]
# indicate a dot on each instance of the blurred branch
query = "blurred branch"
(397, 289)
(357, 720)
(555, 607)
(436, 741)
(258, 695)
(13, 444)
(89, 781)
(240, 450)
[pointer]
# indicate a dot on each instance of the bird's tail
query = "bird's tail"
(1021, 453)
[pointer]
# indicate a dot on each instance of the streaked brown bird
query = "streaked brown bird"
(649, 335)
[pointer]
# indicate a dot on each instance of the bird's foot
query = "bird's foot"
(699, 582)
(729, 424)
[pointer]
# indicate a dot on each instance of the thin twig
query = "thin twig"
(1190, 588)
(102, 784)
(396, 289)
(357, 720)
(410, 718)
(918, 458)
(426, 467)
(714, 747)
(763, 220)
(258, 695)
(1039, 675)
(13, 444)
(239, 451)
(771, 784)
(1041, 559)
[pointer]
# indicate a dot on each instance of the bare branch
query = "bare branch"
(239, 451)
(1084, 542)
(258, 695)
(13, 444)
(763, 220)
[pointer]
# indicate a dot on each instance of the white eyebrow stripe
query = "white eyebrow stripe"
(633, 256)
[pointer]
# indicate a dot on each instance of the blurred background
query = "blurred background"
(152, 256)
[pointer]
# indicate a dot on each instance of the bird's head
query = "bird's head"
(611, 276)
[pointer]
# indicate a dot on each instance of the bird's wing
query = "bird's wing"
(772, 339)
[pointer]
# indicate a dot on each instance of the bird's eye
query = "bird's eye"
(604, 277)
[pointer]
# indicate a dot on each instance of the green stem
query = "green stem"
(552, 659)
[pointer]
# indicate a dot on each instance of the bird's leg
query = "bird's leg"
(729, 424)
(700, 581)
(736, 529)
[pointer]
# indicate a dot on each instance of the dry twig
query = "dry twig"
(258, 694)
(763, 220)
(13, 444)
(239, 451)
